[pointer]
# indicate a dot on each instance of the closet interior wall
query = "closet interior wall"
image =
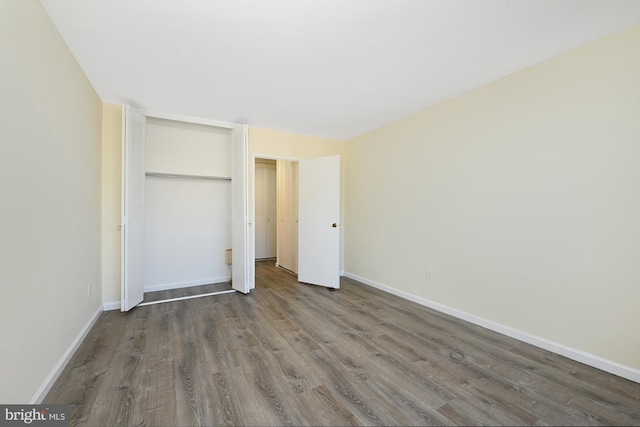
(187, 214)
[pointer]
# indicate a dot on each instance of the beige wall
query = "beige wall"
(522, 197)
(291, 145)
(50, 191)
(111, 216)
(285, 145)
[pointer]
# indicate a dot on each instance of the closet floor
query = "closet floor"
(185, 292)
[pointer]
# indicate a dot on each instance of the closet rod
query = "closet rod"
(185, 176)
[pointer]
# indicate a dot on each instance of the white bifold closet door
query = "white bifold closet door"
(132, 229)
(242, 269)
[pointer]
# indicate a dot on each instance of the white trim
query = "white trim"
(114, 305)
(273, 157)
(64, 360)
(123, 148)
(188, 119)
(180, 285)
(252, 213)
(142, 304)
(571, 353)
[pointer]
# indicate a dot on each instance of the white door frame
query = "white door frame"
(252, 211)
(174, 117)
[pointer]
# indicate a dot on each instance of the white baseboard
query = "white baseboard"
(571, 353)
(179, 285)
(57, 370)
(108, 306)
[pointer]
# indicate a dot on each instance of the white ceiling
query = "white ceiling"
(331, 68)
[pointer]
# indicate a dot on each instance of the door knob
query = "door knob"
(334, 225)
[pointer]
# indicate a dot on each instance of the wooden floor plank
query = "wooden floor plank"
(294, 354)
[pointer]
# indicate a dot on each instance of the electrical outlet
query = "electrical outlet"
(428, 274)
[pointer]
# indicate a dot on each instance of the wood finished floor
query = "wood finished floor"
(291, 354)
(185, 292)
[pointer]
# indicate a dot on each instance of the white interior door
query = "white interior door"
(239, 220)
(319, 221)
(133, 180)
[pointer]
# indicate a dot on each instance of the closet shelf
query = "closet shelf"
(186, 176)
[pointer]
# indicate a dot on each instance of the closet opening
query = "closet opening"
(184, 205)
(187, 210)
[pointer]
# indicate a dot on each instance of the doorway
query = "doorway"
(314, 216)
(276, 212)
